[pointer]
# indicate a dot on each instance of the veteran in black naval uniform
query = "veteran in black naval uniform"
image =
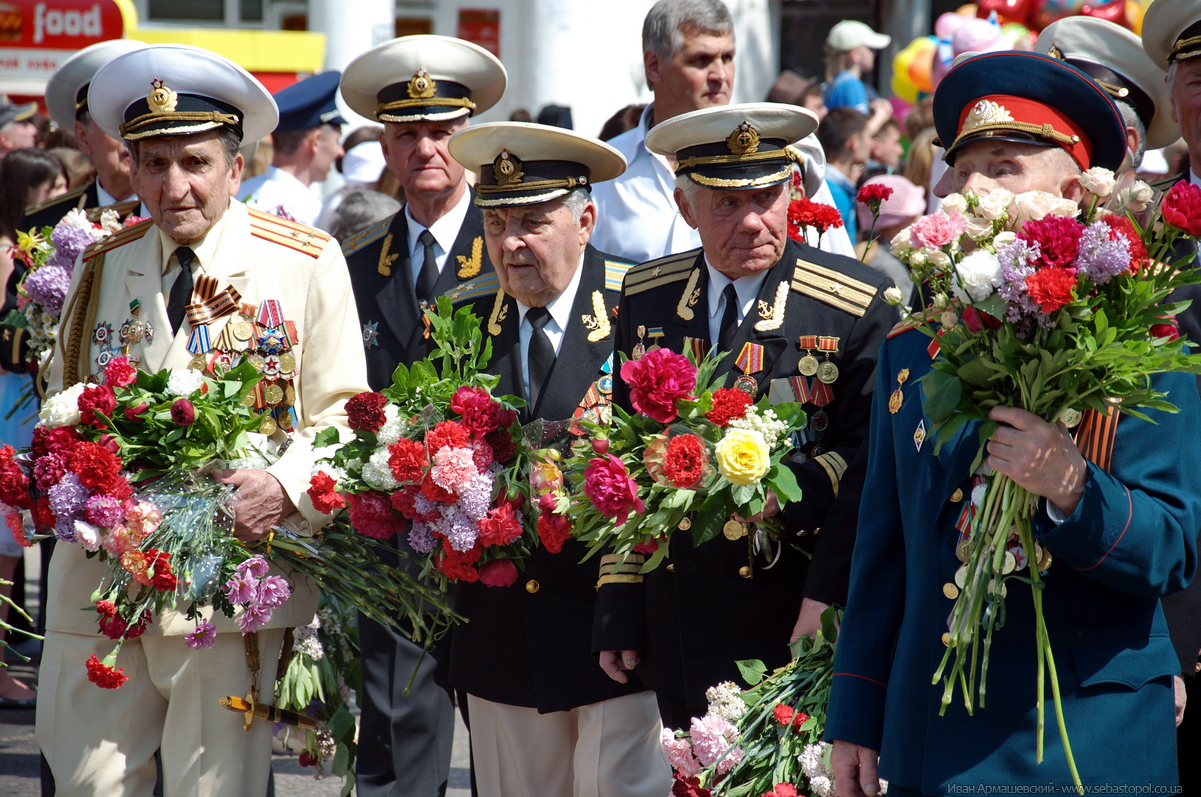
(800, 324)
(423, 89)
(544, 718)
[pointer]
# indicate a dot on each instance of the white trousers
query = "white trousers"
(101, 742)
(606, 749)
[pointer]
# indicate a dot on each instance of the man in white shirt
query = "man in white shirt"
(306, 144)
(688, 53)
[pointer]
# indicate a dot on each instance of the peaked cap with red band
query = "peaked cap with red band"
(1029, 98)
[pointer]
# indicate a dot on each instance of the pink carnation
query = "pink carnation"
(658, 381)
(608, 485)
(679, 754)
(937, 230)
(117, 541)
(142, 518)
(454, 468)
(714, 738)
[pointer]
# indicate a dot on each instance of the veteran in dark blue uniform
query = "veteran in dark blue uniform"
(1116, 531)
(544, 718)
(799, 324)
(423, 89)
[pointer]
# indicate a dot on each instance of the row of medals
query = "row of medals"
(274, 394)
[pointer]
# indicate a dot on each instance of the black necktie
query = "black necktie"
(729, 319)
(181, 289)
(541, 356)
(428, 275)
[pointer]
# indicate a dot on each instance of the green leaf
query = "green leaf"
(943, 392)
(326, 437)
(783, 482)
(753, 671)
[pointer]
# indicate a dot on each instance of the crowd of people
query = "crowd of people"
(670, 226)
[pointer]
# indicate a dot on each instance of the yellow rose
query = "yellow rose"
(743, 456)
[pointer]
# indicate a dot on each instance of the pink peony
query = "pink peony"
(937, 230)
(608, 485)
(202, 636)
(481, 413)
(454, 468)
(658, 381)
(545, 477)
(679, 753)
(498, 573)
(714, 738)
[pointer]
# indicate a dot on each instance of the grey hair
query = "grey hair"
(359, 210)
(668, 20)
(231, 142)
(1171, 78)
(1130, 118)
(576, 200)
(689, 187)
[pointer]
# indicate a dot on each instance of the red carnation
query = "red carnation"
(553, 529)
(104, 676)
(96, 466)
(728, 403)
(782, 790)
(447, 433)
(14, 484)
(687, 786)
(498, 573)
(501, 443)
(407, 460)
(119, 373)
(873, 192)
(433, 492)
(658, 381)
(93, 400)
(183, 412)
(804, 213)
(404, 502)
(685, 460)
(481, 413)
(1058, 239)
(366, 411)
(1051, 288)
(783, 714)
(43, 516)
(162, 578)
(1182, 207)
(55, 441)
(500, 527)
(321, 492)
(17, 527)
(371, 515)
(459, 565)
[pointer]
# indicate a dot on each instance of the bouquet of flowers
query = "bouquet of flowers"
(122, 467)
(435, 451)
(1057, 314)
(693, 454)
(764, 741)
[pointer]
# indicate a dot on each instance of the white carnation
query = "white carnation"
(725, 700)
(62, 409)
(378, 473)
(980, 273)
(1097, 181)
(955, 202)
(900, 242)
(184, 382)
(393, 428)
(995, 204)
(87, 535)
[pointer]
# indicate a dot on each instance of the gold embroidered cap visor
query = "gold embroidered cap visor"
(734, 147)
(1172, 31)
(67, 89)
(423, 78)
(1114, 57)
(177, 90)
(521, 163)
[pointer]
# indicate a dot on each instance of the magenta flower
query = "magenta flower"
(202, 636)
(608, 485)
(658, 381)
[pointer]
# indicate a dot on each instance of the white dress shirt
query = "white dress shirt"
(637, 217)
(445, 230)
(275, 188)
(104, 199)
(560, 316)
(747, 289)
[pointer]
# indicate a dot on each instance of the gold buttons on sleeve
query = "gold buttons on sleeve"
(532, 586)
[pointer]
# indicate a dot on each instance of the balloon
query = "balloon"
(966, 10)
(1047, 11)
(901, 87)
(921, 69)
(1134, 16)
(1016, 37)
(946, 24)
(1007, 10)
(975, 36)
(943, 59)
(1113, 11)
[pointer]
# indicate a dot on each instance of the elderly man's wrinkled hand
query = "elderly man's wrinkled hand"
(261, 503)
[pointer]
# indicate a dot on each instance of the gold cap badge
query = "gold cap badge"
(985, 112)
(422, 86)
(161, 98)
(744, 140)
(507, 168)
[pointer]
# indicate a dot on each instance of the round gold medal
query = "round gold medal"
(950, 590)
(243, 330)
(827, 373)
(895, 401)
(1071, 418)
(747, 384)
(285, 421)
(290, 395)
(248, 400)
(287, 362)
(274, 394)
(268, 425)
(197, 364)
(684, 524)
(734, 530)
(807, 365)
(963, 550)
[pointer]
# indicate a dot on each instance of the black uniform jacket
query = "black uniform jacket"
(713, 605)
(529, 644)
(394, 329)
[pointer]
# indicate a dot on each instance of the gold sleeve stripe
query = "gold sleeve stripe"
(835, 466)
(615, 273)
(47, 203)
(118, 239)
(832, 287)
(311, 246)
(368, 236)
(632, 290)
(623, 579)
(663, 266)
(267, 221)
(628, 567)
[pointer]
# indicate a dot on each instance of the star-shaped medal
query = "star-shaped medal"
(370, 334)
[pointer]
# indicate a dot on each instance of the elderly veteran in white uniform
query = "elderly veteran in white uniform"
(183, 112)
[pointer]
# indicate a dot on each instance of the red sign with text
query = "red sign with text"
(36, 36)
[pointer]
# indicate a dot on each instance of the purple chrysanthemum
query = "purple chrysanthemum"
(255, 566)
(475, 498)
(421, 537)
(273, 591)
(254, 617)
(1101, 258)
(241, 589)
(202, 636)
(48, 287)
(67, 498)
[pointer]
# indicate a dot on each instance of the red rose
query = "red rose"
(500, 527)
(104, 676)
(658, 381)
(407, 460)
(1182, 207)
(119, 373)
(501, 443)
(371, 515)
(14, 484)
(447, 433)
(1123, 227)
(96, 466)
(498, 573)
(481, 413)
(366, 411)
(1051, 288)
(685, 460)
(1168, 329)
(1058, 239)
(873, 192)
(132, 413)
(321, 492)
(183, 412)
(96, 399)
(55, 441)
(553, 529)
(728, 403)
(459, 565)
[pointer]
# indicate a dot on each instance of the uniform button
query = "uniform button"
(957, 496)
(684, 524)
(946, 639)
(744, 571)
(671, 568)
(950, 590)
(532, 586)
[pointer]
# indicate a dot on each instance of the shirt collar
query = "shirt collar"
(746, 287)
(446, 229)
(205, 248)
(560, 307)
